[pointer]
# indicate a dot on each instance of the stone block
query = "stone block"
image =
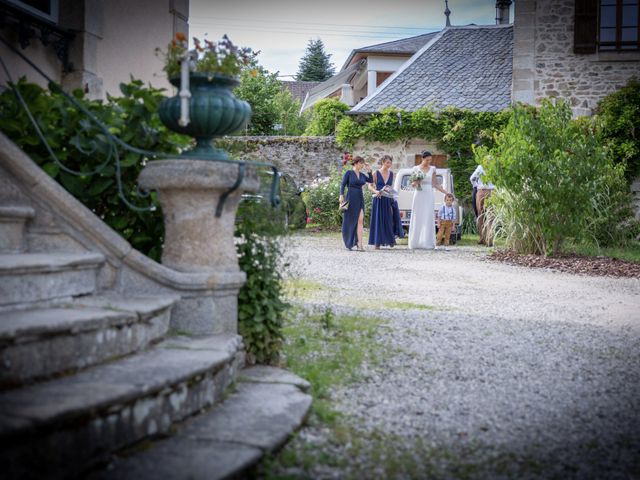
(12, 227)
(65, 426)
(267, 374)
(276, 411)
(35, 344)
(28, 278)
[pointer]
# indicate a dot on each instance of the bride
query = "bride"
(422, 227)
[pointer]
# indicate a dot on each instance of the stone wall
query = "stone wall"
(403, 152)
(304, 158)
(544, 64)
(307, 158)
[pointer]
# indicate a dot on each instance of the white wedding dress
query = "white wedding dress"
(422, 227)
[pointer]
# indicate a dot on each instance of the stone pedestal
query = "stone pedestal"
(196, 241)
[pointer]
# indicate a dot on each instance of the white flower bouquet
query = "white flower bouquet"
(416, 179)
(388, 192)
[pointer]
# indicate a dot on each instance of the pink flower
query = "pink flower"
(317, 210)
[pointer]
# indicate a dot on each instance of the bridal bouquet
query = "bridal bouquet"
(388, 192)
(417, 176)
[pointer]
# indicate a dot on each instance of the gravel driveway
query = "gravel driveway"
(521, 373)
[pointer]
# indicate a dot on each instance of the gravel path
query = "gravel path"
(536, 367)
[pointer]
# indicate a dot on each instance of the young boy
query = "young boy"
(448, 219)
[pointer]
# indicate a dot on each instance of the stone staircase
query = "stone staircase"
(92, 363)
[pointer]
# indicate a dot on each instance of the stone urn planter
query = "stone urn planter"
(199, 192)
(213, 109)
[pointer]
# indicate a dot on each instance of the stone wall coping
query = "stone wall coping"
(46, 191)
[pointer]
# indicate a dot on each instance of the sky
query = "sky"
(281, 29)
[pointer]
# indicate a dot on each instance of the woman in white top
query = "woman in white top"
(422, 227)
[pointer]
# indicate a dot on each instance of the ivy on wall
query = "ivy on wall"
(452, 129)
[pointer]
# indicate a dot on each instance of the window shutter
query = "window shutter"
(586, 26)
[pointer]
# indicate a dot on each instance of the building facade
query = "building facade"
(578, 50)
(90, 44)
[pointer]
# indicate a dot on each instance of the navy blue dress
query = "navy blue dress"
(381, 231)
(353, 183)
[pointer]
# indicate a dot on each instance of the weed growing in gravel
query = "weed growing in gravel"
(328, 350)
(303, 289)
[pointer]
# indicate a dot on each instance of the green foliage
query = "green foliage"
(619, 116)
(80, 145)
(389, 125)
(315, 65)
(555, 180)
(321, 199)
(271, 104)
(325, 115)
(289, 116)
(261, 304)
(348, 131)
(328, 351)
(260, 88)
(453, 129)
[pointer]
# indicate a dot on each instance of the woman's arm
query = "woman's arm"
(345, 181)
(434, 182)
(372, 189)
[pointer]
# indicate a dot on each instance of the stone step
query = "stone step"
(12, 226)
(29, 278)
(268, 405)
(39, 343)
(60, 428)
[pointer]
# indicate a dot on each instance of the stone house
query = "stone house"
(90, 44)
(579, 50)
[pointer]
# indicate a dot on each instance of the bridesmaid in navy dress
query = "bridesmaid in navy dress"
(353, 219)
(381, 231)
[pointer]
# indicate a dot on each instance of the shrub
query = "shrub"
(325, 115)
(619, 117)
(555, 180)
(261, 305)
(80, 145)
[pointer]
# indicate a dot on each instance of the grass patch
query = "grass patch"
(304, 289)
(630, 253)
(328, 351)
(407, 305)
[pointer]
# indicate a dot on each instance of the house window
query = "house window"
(619, 25)
(45, 9)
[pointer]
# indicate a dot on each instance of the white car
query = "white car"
(405, 197)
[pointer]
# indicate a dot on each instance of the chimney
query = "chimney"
(502, 11)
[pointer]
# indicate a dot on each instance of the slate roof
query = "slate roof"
(467, 67)
(407, 46)
(299, 89)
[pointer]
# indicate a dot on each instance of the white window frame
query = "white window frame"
(52, 17)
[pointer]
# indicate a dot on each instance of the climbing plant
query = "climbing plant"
(454, 130)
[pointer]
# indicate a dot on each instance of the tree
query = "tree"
(325, 115)
(315, 65)
(259, 88)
